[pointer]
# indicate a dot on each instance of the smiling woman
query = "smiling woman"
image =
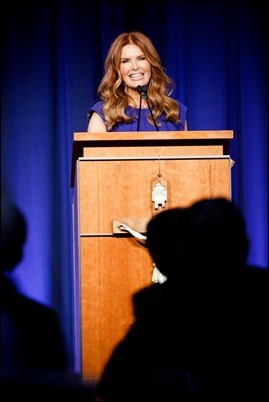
(132, 62)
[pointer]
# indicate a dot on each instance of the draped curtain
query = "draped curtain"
(52, 62)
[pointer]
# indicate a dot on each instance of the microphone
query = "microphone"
(142, 90)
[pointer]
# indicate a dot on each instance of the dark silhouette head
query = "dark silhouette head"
(13, 234)
(216, 234)
(208, 234)
(165, 232)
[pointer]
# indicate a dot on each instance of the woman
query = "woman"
(135, 90)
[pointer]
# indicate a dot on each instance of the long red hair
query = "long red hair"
(112, 88)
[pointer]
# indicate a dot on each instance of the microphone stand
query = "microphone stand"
(143, 95)
(155, 124)
(139, 113)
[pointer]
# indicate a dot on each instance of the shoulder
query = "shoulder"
(182, 111)
(96, 107)
(28, 309)
(253, 272)
(257, 276)
(252, 285)
(152, 300)
(146, 296)
(182, 107)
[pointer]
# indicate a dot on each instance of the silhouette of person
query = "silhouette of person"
(33, 356)
(137, 370)
(202, 334)
(30, 333)
(34, 362)
(228, 301)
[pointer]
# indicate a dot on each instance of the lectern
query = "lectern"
(120, 180)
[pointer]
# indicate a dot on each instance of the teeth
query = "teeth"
(136, 75)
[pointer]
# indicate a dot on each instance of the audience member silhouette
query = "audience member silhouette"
(201, 335)
(33, 355)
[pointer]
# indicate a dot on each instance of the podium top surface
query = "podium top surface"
(82, 140)
(154, 135)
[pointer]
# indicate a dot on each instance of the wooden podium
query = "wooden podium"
(112, 176)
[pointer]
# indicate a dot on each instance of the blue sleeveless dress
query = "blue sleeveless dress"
(144, 125)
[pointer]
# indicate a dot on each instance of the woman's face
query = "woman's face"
(134, 67)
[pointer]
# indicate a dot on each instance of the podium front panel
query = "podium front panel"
(110, 267)
(123, 188)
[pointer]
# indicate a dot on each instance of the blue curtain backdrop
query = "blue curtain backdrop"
(52, 62)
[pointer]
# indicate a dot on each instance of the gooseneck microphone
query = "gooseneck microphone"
(142, 90)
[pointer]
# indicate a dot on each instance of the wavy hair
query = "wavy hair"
(112, 87)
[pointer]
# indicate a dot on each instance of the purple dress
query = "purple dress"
(144, 125)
